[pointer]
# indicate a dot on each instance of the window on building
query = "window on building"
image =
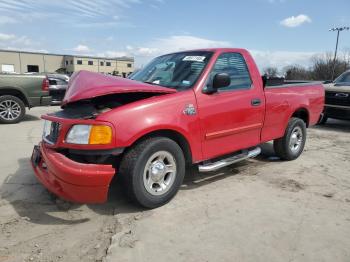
(7, 68)
(67, 62)
(129, 65)
(32, 68)
(79, 62)
(90, 62)
(102, 63)
(108, 63)
(71, 62)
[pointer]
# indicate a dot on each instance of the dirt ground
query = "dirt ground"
(259, 210)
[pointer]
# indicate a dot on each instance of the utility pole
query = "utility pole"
(338, 29)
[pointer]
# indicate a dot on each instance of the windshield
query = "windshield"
(178, 71)
(344, 78)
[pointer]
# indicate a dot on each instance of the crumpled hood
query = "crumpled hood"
(85, 85)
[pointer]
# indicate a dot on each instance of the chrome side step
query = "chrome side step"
(229, 161)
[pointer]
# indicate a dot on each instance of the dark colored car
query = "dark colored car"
(57, 87)
(337, 104)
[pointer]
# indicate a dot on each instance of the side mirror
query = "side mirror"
(220, 80)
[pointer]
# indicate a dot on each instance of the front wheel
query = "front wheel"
(291, 145)
(153, 171)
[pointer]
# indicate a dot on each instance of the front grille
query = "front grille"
(337, 98)
(52, 132)
(338, 113)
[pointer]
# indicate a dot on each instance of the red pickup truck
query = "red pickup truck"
(207, 107)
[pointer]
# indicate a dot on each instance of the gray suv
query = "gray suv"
(57, 87)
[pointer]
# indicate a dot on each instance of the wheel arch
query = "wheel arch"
(303, 114)
(176, 136)
(15, 92)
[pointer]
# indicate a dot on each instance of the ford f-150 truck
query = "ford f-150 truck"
(337, 98)
(205, 107)
(18, 91)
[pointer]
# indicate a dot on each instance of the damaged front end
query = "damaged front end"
(91, 108)
(78, 155)
(88, 96)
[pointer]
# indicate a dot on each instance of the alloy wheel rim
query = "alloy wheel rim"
(296, 139)
(159, 173)
(9, 110)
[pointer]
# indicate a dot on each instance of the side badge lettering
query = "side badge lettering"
(190, 110)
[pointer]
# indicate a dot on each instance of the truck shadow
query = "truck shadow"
(29, 118)
(335, 125)
(195, 179)
(34, 203)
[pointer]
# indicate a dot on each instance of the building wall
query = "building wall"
(102, 65)
(68, 62)
(53, 62)
(31, 59)
(85, 65)
(126, 67)
(50, 63)
(107, 69)
(7, 58)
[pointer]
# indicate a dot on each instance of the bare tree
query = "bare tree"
(271, 71)
(346, 56)
(296, 72)
(322, 66)
(320, 69)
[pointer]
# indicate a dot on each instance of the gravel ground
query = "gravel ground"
(259, 210)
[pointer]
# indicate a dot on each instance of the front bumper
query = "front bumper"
(337, 112)
(70, 180)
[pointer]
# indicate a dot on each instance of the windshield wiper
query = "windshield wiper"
(151, 83)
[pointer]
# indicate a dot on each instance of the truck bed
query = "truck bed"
(283, 100)
(29, 86)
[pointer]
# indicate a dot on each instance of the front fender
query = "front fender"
(15, 90)
(135, 120)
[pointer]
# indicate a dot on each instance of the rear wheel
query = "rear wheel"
(12, 109)
(291, 145)
(153, 171)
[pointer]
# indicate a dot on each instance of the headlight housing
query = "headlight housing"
(89, 135)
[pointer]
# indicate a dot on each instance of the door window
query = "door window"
(235, 66)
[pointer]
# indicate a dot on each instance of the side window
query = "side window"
(234, 65)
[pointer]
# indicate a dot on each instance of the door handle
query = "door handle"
(256, 102)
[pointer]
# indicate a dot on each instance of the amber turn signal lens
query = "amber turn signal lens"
(100, 135)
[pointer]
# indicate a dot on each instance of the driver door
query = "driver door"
(231, 118)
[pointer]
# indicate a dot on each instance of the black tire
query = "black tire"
(133, 167)
(15, 103)
(282, 145)
(323, 119)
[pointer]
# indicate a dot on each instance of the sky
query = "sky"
(277, 32)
